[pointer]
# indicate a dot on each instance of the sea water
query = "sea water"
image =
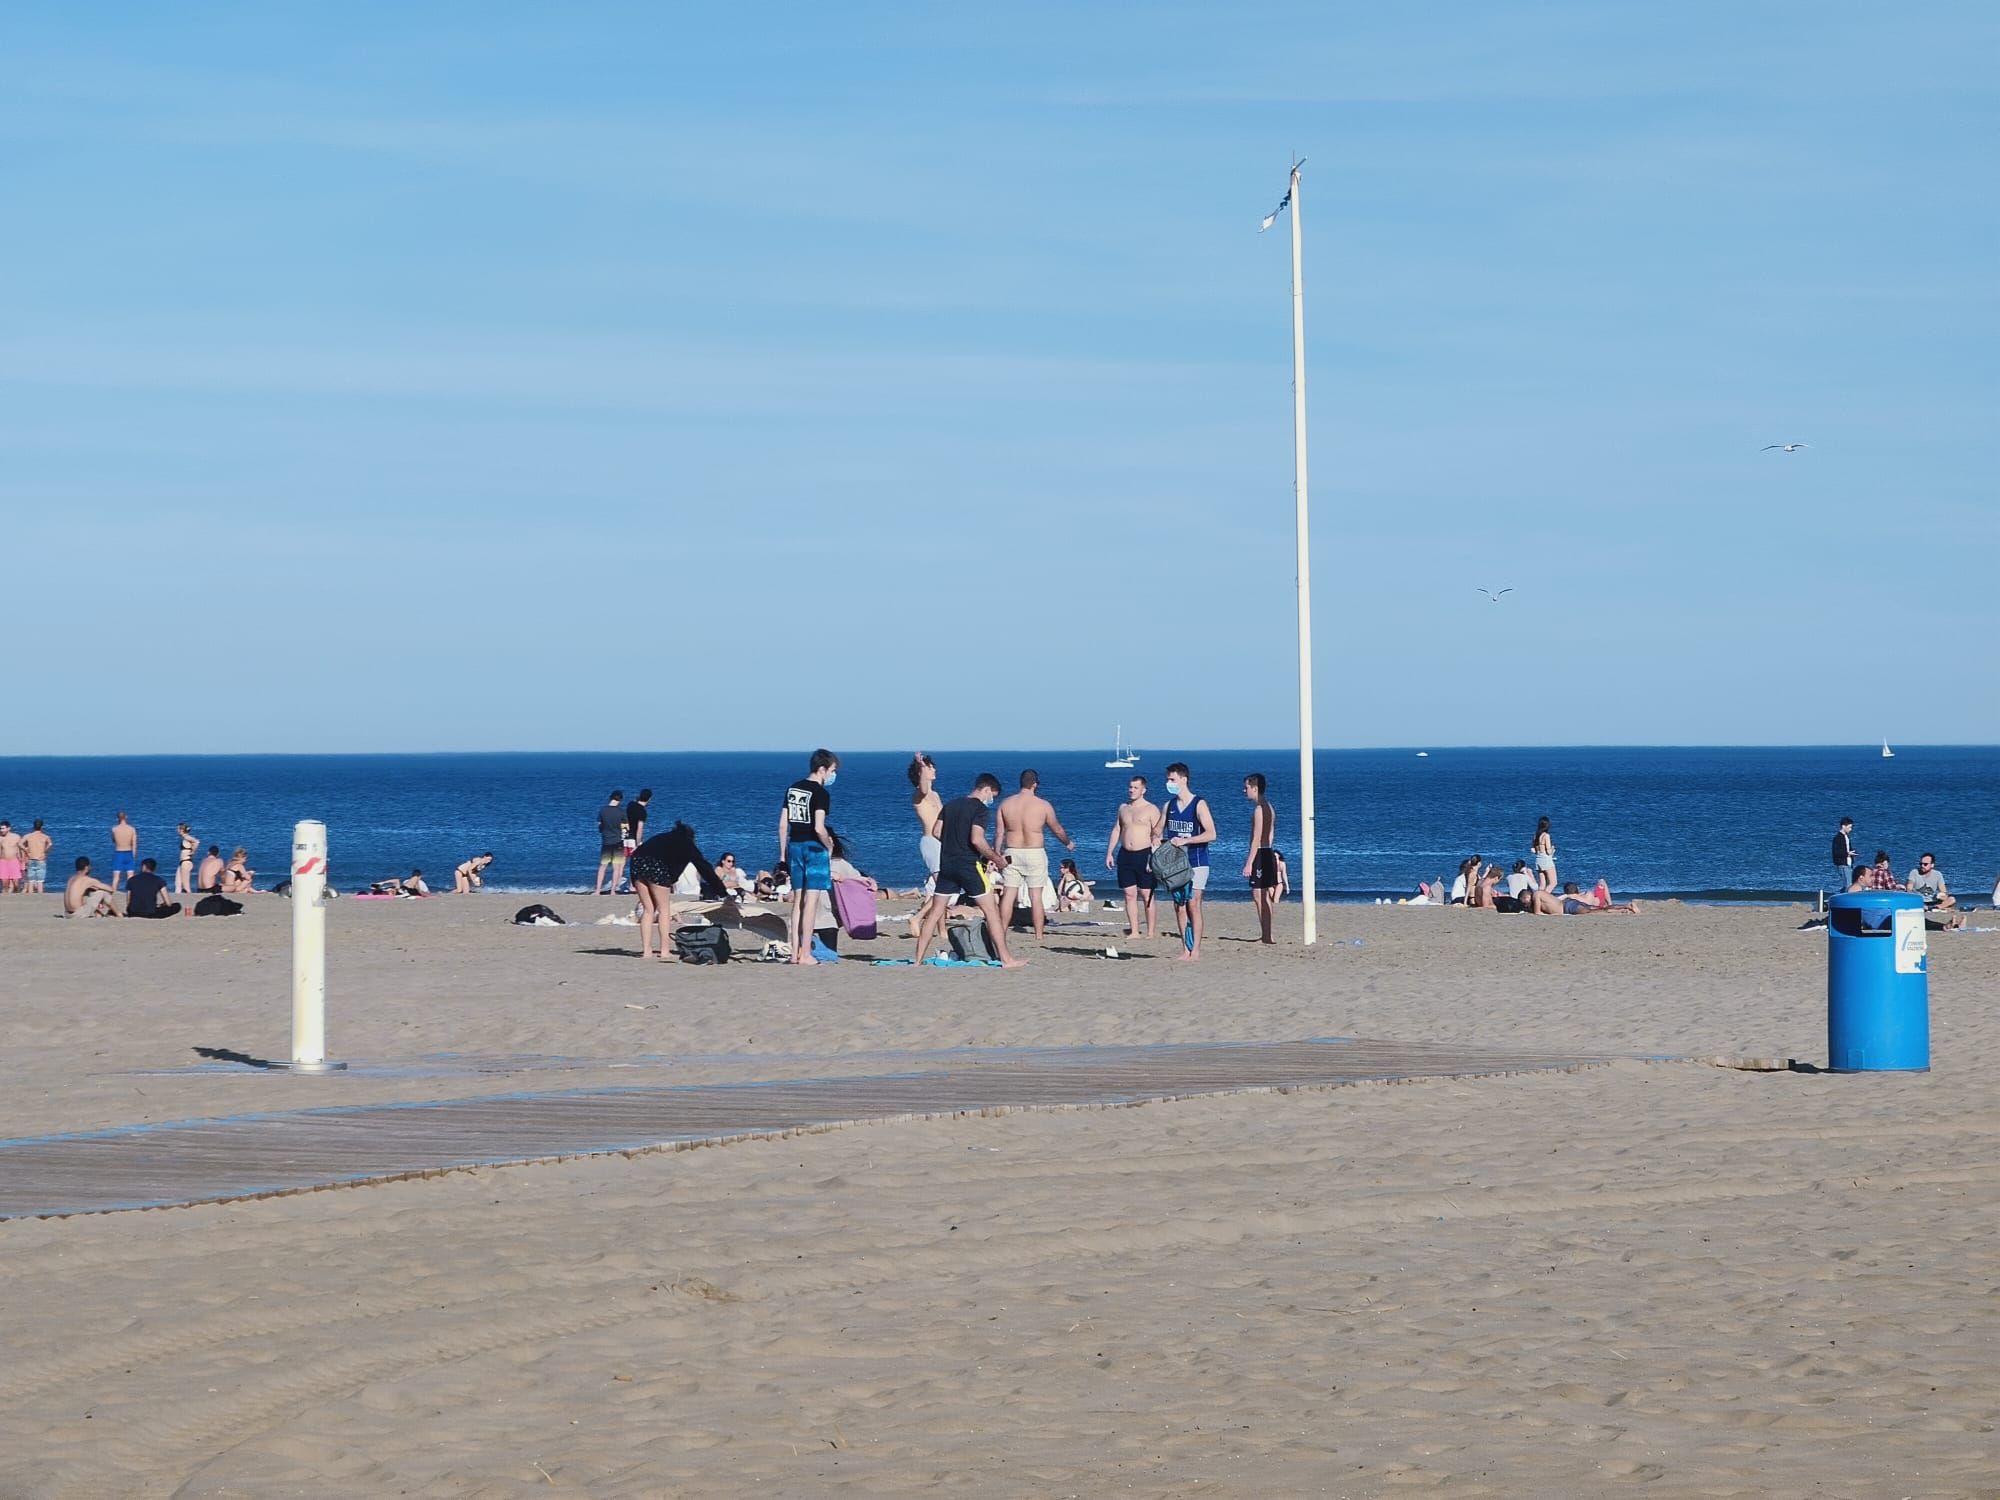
(1703, 823)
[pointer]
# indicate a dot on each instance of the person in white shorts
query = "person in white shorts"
(1026, 818)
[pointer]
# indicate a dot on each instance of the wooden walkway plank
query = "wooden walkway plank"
(303, 1150)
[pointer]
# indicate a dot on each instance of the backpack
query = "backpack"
(969, 940)
(217, 906)
(538, 915)
(1171, 871)
(854, 906)
(701, 945)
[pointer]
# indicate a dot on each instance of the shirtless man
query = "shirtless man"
(1024, 819)
(35, 846)
(86, 895)
(10, 859)
(124, 851)
(1130, 853)
(209, 876)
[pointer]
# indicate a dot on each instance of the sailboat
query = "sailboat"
(1121, 758)
(1887, 753)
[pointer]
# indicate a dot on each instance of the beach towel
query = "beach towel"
(854, 905)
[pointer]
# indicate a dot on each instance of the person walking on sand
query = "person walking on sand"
(1025, 819)
(805, 847)
(926, 804)
(124, 851)
(1129, 852)
(961, 836)
(1544, 850)
(1843, 855)
(610, 845)
(184, 871)
(1186, 821)
(1261, 868)
(35, 846)
(86, 895)
(11, 859)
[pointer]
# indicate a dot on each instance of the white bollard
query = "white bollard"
(309, 951)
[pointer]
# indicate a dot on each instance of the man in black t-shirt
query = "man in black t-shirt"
(804, 847)
(142, 894)
(961, 834)
(610, 844)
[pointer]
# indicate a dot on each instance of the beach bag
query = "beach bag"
(701, 945)
(854, 905)
(217, 906)
(969, 940)
(538, 915)
(1171, 871)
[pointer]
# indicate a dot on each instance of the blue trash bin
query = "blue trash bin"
(1878, 998)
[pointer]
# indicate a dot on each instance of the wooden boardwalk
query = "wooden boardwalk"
(301, 1150)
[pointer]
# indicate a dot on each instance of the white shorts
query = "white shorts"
(1200, 874)
(1027, 868)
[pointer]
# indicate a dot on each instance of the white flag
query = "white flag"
(1272, 217)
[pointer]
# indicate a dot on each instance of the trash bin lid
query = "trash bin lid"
(1875, 901)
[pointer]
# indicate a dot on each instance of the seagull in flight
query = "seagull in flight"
(1784, 447)
(1493, 598)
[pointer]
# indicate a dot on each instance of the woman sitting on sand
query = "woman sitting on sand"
(1072, 890)
(237, 876)
(469, 876)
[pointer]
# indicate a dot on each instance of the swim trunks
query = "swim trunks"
(37, 871)
(1026, 868)
(1571, 908)
(608, 852)
(10, 869)
(956, 879)
(1264, 870)
(811, 869)
(1135, 868)
(122, 861)
(1199, 873)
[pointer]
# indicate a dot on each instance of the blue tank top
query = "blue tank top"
(1181, 825)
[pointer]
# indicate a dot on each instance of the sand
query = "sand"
(1655, 1276)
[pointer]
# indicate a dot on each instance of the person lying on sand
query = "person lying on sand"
(1575, 903)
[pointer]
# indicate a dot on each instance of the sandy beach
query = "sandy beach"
(1659, 1276)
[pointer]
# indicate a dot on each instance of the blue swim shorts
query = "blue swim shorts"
(123, 861)
(811, 870)
(37, 871)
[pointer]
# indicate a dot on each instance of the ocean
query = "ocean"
(1706, 824)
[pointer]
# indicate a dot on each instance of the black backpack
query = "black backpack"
(217, 906)
(970, 940)
(538, 915)
(701, 945)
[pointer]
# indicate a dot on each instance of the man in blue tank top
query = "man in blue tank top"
(1190, 824)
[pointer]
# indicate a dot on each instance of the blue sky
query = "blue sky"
(485, 376)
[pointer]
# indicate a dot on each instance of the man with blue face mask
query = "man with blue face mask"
(804, 845)
(1186, 821)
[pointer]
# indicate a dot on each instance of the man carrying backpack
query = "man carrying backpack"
(1190, 826)
(960, 830)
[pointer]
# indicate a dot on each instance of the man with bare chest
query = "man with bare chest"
(1130, 853)
(124, 852)
(1026, 818)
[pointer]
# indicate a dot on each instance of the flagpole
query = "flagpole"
(1308, 870)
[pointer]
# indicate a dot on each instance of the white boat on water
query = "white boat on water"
(1122, 759)
(1887, 753)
